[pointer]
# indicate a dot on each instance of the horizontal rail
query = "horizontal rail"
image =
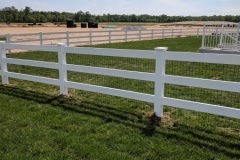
(102, 40)
(120, 39)
(32, 63)
(47, 33)
(203, 83)
(203, 57)
(28, 40)
(113, 52)
(50, 48)
(79, 37)
(112, 72)
(101, 36)
(25, 34)
(202, 107)
(111, 91)
(34, 78)
(79, 42)
(47, 39)
(117, 35)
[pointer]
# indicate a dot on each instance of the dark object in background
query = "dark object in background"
(83, 25)
(92, 24)
(70, 24)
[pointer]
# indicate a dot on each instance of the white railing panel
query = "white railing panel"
(112, 52)
(203, 83)
(112, 72)
(203, 57)
(202, 107)
(111, 91)
(34, 78)
(41, 64)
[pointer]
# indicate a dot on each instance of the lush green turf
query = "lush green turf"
(2, 38)
(36, 123)
(188, 44)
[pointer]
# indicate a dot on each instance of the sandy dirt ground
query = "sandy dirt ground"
(49, 27)
(100, 35)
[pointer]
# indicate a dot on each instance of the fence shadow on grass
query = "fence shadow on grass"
(212, 140)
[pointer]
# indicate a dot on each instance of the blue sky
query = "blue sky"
(152, 7)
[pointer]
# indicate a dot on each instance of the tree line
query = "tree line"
(27, 15)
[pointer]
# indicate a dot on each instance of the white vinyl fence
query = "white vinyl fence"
(160, 55)
(221, 36)
(73, 38)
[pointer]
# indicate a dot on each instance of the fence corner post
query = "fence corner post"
(3, 63)
(62, 69)
(159, 83)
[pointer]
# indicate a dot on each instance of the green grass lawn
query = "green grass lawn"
(36, 123)
(2, 38)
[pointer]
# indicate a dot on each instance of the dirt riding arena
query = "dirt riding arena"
(81, 36)
(50, 27)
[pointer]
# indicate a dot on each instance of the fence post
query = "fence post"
(139, 34)
(203, 36)
(109, 36)
(159, 83)
(62, 69)
(8, 40)
(163, 34)
(40, 38)
(152, 34)
(125, 35)
(237, 35)
(90, 38)
(4, 68)
(67, 36)
(221, 38)
(197, 32)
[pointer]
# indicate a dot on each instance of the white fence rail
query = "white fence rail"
(100, 36)
(159, 77)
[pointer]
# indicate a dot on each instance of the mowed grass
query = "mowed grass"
(36, 123)
(2, 38)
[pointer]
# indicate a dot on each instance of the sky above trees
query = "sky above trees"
(151, 7)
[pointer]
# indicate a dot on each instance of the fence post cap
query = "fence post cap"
(161, 48)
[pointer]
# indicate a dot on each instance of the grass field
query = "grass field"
(36, 123)
(2, 38)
